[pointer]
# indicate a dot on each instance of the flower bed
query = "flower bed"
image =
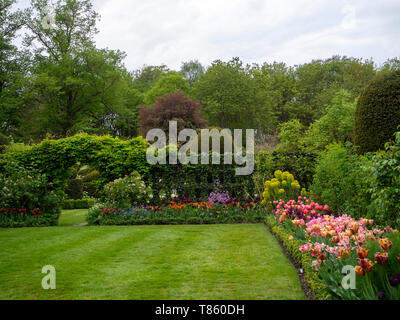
(182, 211)
(23, 217)
(336, 243)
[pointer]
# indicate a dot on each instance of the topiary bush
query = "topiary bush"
(378, 113)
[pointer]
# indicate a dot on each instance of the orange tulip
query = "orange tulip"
(381, 257)
(385, 244)
(360, 271)
(366, 264)
(362, 253)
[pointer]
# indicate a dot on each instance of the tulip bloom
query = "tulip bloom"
(366, 264)
(362, 253)
(385, 244)
(381, 257)
(360, 271)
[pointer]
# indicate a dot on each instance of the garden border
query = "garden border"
(300, 271)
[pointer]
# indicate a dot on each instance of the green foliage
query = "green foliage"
(127, 191)
(3, 142)
(27, 190)
(282, 187)
(341, 181)
(106, 214)
(70, 204)
(112, 157)
(378, 113)
(336, 126)
(232, 98)
(146, 77)
(290, 136)
(318, 82)
(72, 85)
(192, 71)
(74, 189)
(171, 83)
(385, 191)
(300, 164)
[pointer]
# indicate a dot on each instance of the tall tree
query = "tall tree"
(74, 86)
(170, 83)
(11, 67)
(146, 77)
(232, 98)
(192, 71)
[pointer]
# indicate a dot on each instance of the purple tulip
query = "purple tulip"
(394, 281)
(381, 295)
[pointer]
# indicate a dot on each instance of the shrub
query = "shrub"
(300, 164)
(31, 194)
(174, 106)
(282, 186)
(378, 113)
(78, 204)
(127, 191)
(3, 142)
(290, 136)
(385, 169)
(337, 126)
(75, 188)
(341, 181)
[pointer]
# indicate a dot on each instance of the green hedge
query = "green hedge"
(78, 204)
(318, 289)
(114, 158)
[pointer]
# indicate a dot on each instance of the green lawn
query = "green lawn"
(147, 262)
(72, 217)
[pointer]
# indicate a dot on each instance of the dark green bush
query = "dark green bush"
(74, 189)
(78, 204)
(3, 142)
(378, 113)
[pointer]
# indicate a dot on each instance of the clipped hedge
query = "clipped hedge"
(114, 158)
(318, 289)
(77, 204)
(378, 113)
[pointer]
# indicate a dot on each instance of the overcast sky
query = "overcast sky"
(155, 32)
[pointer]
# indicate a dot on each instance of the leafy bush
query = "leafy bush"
(337, 126)
(75, 188)
(385, 191)
(3, 142)
(378, 113)
(290, 136)
(300, 164)
(127, 191)
(78, 204)
(282, 186)
(341, 181)
(27, 198)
